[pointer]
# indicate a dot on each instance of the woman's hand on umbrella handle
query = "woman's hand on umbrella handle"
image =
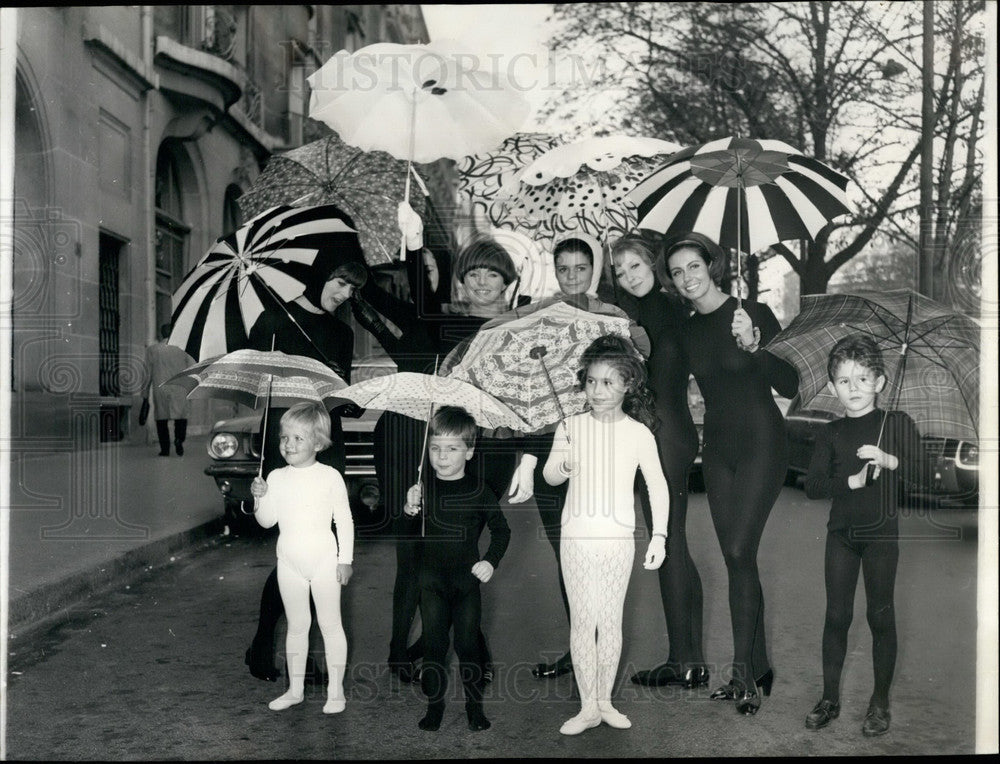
(411, 225)
(522, 485)
(743, 329)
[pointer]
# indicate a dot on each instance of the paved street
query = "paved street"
(156, 671)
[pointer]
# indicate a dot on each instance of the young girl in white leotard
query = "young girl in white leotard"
(303, 498)
(599, 450)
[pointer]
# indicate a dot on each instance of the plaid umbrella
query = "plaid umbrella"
(259, 266)
(367, 185)
(931, 355)
(251, 376)
(529, 363)
(582, 187)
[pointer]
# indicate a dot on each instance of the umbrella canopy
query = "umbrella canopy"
(417, 102)
(931, 355)
(582, 186)
(250, 376)
(529, 363)
(265, 262)
(742, 194)
(483, 175)
(414, 395)
(367, 185)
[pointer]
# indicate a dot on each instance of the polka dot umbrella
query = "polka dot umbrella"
(582, 187)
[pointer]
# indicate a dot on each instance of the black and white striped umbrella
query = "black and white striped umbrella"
(743, 194)
(260, 265)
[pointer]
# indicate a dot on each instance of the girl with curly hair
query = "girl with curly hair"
(599, 452)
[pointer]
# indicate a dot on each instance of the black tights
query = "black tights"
(680, 584)
(877, 560)
(397, 441)
(450, 599)
(742, 486)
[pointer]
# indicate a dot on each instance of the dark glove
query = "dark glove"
(371, 320)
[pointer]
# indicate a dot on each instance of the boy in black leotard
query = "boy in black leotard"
(862, 478)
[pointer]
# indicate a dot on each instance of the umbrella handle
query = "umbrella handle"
(263, 432)
(409, 166)
(539, 354)
(423, 449)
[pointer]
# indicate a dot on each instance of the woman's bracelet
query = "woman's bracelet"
(752, 347)
(664, 535)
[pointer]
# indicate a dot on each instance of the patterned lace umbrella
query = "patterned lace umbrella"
(250, 376)
(366, 185)
(530, 363)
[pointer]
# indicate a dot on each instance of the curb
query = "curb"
(33, 610)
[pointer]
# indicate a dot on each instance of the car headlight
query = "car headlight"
(968, 454)
(223, 445)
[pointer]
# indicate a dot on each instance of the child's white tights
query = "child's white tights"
(596, 572)
(295, 596)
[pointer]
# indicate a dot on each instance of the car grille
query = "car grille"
(934, 447)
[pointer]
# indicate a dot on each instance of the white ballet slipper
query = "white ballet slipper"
(581, 722)
(334, 706)
(285, 701)
(615, 718)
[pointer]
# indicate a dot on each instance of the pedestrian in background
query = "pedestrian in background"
(863, 530)
(303, 498)
(163, 361)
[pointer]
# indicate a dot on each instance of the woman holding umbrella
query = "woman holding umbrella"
(662, 317)
(745, 451)
(308, 327)
(428, 333)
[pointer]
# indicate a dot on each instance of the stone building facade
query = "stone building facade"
(137, 129)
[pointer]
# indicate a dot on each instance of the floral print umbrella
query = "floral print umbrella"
(367, 185)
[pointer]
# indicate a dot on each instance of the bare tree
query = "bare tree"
(838, 80)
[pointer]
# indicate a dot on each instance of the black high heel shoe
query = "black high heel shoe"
(748, 702)
(695, 677)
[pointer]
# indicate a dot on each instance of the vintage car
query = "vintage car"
(234, 450)
(954, 464)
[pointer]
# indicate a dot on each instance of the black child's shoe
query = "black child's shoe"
(822, 714)
(876, 721)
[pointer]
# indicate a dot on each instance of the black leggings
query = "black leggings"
(550, 499)
(450, 599)
(398, 441)
(744, 473)
(680, 584)
(877, 560)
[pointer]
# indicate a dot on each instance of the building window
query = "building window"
(171, 232)
(109, 315)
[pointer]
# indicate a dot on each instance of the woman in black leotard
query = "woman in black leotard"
(662, 316)
(744, 457)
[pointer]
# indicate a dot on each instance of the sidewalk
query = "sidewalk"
(81, 520)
